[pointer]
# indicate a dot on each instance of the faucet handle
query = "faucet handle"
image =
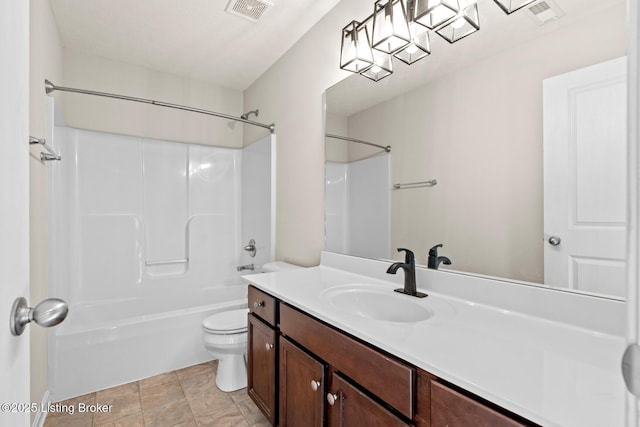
(434, 250)
(409, 255)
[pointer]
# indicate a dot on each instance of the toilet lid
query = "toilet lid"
(227, 322)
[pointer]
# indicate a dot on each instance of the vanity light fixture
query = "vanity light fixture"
(381, 68)
(465, 23)
(420, 45)
(400, 29)
(355, 52)
(432, 13)
(390, 26)
(510, 6)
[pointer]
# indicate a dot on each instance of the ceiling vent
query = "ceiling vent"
(545, 11)
(252, 10)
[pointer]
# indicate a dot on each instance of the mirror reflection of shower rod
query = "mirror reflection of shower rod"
(50, 87)
(359, 141)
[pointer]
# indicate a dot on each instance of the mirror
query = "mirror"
(502, 120)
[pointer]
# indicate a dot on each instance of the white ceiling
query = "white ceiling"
(192, 38)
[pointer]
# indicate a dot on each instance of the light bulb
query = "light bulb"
(458, 23)
(411, 49)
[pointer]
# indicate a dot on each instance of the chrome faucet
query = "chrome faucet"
(409, 267)
(246, 267)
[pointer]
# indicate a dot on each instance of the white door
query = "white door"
(584, 115)
(14, 204)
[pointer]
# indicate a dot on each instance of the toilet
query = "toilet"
(225, 337)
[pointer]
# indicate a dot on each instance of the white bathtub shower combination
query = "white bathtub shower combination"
(146, 238)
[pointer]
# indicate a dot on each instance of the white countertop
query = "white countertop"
(549, 372)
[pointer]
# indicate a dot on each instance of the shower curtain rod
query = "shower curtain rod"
(50, 87)
(359, 141)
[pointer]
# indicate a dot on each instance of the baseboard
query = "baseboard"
(41, 416)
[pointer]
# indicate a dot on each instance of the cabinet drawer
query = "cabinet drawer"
(262, 305)
(450, 409)
(387, 378)
(350, 407)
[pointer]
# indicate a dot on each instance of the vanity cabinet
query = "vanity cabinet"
(262, 352)
(302, 387)
(349, 406)
(315, 375)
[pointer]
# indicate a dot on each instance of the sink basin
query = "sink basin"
(374, 302)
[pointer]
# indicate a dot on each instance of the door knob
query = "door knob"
(554, 240)
(49, 312)
(315, 385)
(268, 346)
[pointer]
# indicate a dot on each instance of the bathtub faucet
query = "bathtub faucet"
(246, 267)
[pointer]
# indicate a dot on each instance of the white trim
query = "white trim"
(633, 265)
(41, 416)
(274, 165)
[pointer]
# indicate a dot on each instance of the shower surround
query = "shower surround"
(145, 239)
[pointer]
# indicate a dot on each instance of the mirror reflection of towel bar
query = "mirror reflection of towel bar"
(430, 183)
(168, 261)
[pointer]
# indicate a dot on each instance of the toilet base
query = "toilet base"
(232, 373)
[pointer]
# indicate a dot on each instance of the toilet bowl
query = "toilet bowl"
(225, 337)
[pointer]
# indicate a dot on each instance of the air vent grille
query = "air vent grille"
(252, 10)
(545, 11)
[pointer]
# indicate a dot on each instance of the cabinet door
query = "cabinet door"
(302, 387)
(261, 366)
(349, 407)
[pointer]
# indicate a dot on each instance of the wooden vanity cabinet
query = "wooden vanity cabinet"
(302, 387)
(349, 406)
(261, 366)
(262, 352)
(304, 372)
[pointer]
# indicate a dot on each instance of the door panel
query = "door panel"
(352, 408)
(261, 366)
(14, 204)
(585, 178)
(301, 402)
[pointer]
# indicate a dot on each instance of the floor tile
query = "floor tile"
(135, 420)
(195, 370)
(208, 403)
(121, 406)
(160, 395)
(229, 416)
(169, 415)
(113, 392)
(166, 378)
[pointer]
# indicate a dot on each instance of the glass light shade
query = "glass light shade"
(355, 53)
(510, 6)
(381, 68)
(467, 22)
(419, 47)
(390, 27)
(432, 13)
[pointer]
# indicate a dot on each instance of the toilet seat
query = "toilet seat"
(227, 322)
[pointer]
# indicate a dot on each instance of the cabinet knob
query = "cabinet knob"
(315, 385)
(268, 346)
(258, 304)
(332, 398)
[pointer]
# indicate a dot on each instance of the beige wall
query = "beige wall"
(478, 131)
(45, 62)
(86, 71)
(336, 150)
(290, 95)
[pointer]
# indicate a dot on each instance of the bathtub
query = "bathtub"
(108, 343)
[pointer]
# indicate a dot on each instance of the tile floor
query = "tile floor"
(186, 398)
